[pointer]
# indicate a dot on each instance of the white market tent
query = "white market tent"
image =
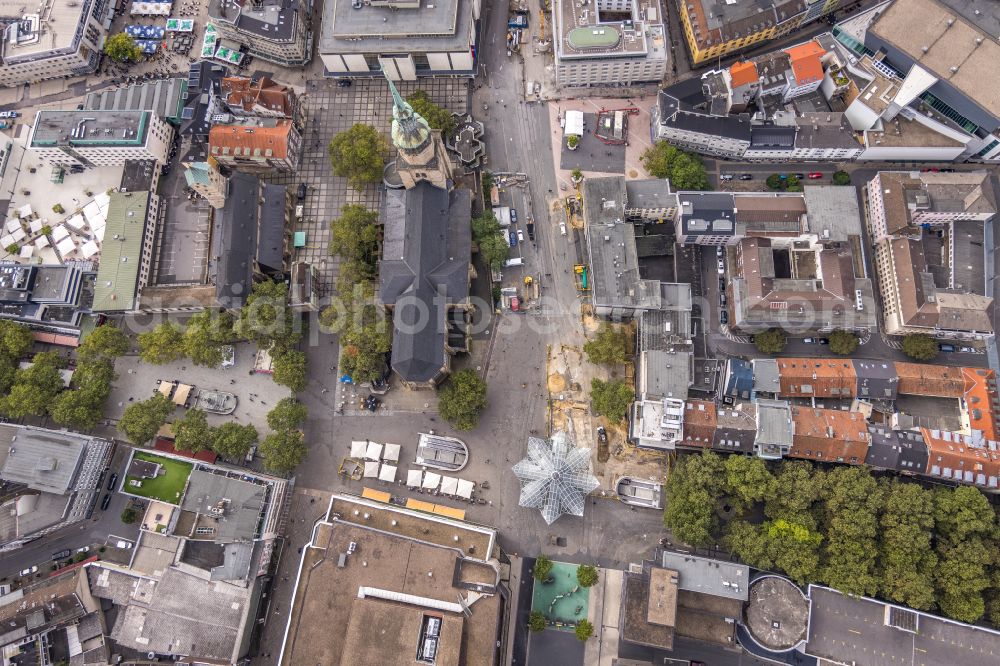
(431, 480)
(25, 211)
(59, 233)
(414, 478)
(574, 123)
(387, 473)
(358, 449)
(449, 485)
(391, 452)
(16, 224)
(374, 451)
(26, 251)
(465, 488)
(41, 241)
(77, 222)
(371, 470)
(18, 234)
(66, 246)
(151, 8)
(34, 225)
(89, 249)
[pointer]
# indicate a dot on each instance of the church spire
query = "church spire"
(410, 132)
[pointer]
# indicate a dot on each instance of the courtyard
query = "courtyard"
(560, 597)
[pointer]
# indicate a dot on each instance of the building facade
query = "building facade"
(256, 144)
(407, 39)
(63, 40)
(612, 43)
(278, 31)
(99, 138)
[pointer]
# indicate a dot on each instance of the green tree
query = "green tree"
(290, 369)
(793, 496)
(365, 333)
(584, 630)
(586, 575)
(163, 344)
(436, 117)
(771, 341)
(283, 451)
(129, 515)
(358, 154)
(233, 441)
(795, 549)
(462, 399)
(853, 500)
(966, 528)
(774, 182)
(543, 567)
(485, 224)
(792, 184)
(266, 318)
(34, 388)
(494, 250)
(841, 178)
(749, 543)
(693, 489)
(907, 560)
(536, 621)
(192, 432)
(748, 479)
(289, 414)
(104, 342)
(206, 336)
(609, 346)
(685, 170)
(843, 342)
(920, 347)
(572, 141)
(611, 399)
(121, 47)
(142, 420)
(354, 236)
(15, 340)
(82, 407)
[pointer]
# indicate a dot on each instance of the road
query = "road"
(93, 532)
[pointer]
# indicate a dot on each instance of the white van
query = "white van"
(516, 261)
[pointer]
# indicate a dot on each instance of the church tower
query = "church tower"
(422, 154)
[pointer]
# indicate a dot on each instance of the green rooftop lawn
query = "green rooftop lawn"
(166, 487)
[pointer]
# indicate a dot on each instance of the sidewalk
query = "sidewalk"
(604, 611)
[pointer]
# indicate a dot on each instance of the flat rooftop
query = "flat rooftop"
(833, 213)
(855, 630)
(31, 36)
(273, 20)
(408, 569)
(42, 460)
(706, 576)
(589, 32)
(89, 128)
(903, 132)
(441, 24)
(231, 505)
(944, 41)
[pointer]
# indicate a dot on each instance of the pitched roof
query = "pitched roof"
(806, 63)
(958, 457)
(251, 140)
(830, 435)
(813, 377)
(426, 251)
(117, 283)
(246, 93)
(743, 73)
(940, 381)
(700, 419)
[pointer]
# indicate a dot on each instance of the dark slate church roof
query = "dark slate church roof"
(425, 267)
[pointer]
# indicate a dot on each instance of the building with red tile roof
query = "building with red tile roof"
(937, 381)
(807, 65)
(700, 422)
(980, 401)
(259, 97)
(829, 435)
(743, 73)
(817, 378)
(963, 459)
(256, 144)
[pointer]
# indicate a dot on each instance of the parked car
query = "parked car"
(724, 317)
(815, 175)
(722, 299)
(967, 350)
(520, 236)
(84, 549)
(30, 570)
(746, 176)
(718, 251)
(513, 216)
(809, 341)
(562, 228)
(722, 268)
(62, 554)
(946, 348)
(301, 193)
(9, 114)
(602, 435)
(124, 545)
(800, 176)
(726, 177)
(722, 284)
(111, 480)
(344, 83)
(512, 235)
(824, 341)
(515, 304)
(105, 502)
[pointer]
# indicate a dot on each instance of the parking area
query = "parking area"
(183, 239)
(592, 154)
(256, 393)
